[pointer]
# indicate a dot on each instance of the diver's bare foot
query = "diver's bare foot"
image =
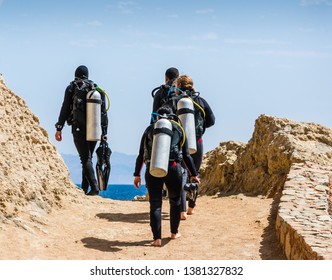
(175, 235)
(156, 243)
(183, 216)
(190, 211)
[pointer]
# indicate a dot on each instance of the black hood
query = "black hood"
(82, 72)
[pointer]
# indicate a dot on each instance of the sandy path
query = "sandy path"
(231, 228)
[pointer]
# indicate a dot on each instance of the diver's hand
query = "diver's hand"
(58, 135)
(137, 181)
(195, 179)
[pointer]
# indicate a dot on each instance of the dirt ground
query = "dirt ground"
(235, 227)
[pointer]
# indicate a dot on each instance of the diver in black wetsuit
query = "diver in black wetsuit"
(173, 179)
(73, 111)
(204, 118)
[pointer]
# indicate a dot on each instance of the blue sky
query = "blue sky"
(246, 58)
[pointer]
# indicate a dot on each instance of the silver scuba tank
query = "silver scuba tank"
(161, 147)
(93, 116)
(185, 112)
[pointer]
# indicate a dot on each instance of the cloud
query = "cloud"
(126, 7)
(210, 36)
(205, 11)
(173, 16)
(1, 2)
(174, 47)
(308, 54)
(315, 2)
(95, 23)
(254, 41)
(89, 43)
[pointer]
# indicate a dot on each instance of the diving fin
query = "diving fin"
(103, 165)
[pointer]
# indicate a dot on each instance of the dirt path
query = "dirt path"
(229, 228)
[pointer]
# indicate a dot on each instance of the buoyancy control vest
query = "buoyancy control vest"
(171, 98)
(199, 114)
(86, 112)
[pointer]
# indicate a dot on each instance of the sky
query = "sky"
(246, 58)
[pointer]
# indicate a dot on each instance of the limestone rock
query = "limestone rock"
(261, 166)
(217, 168)
(33, 175)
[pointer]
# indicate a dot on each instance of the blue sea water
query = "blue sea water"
(122, 191)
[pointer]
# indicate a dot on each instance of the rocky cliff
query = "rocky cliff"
(33, 176)
(261, 165)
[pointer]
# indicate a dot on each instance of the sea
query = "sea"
(122, 191)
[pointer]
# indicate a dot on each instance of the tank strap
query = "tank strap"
(184, 111)
(163, 130)
(98, 101)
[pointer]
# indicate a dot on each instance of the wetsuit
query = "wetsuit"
(84, 148)
(173, 182)
(198, 156)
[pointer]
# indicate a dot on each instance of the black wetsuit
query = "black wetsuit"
(158, 101)
(173, 182)
(84, 148)
(198, 156)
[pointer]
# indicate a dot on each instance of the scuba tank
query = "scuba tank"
(161, 145)
(93, 116)
(185, 112)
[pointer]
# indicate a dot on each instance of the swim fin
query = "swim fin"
(103, 165)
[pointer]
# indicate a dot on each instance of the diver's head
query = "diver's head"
(82, 72)
(184, 82)
(171, 74)
(165, 110)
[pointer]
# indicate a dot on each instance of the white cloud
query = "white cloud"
(205, 11)
(315, 2)
(126, 7)
(307, 29)
(173, 16)
(95, 23)
(91, 43)
(254, 41)
(174, 47)
(1, 2)
(310, 54)
(284, 66)
(210, 36)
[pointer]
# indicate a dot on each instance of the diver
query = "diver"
(178, 151)
(160, 94)
(75, 112)
(204, 118)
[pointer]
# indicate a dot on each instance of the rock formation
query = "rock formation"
(261, 166)
(291, 162)
(33, 175)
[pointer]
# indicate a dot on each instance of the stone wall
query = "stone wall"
(276, 161)
(304, 226)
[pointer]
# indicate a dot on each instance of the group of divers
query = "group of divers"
(171, 146)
